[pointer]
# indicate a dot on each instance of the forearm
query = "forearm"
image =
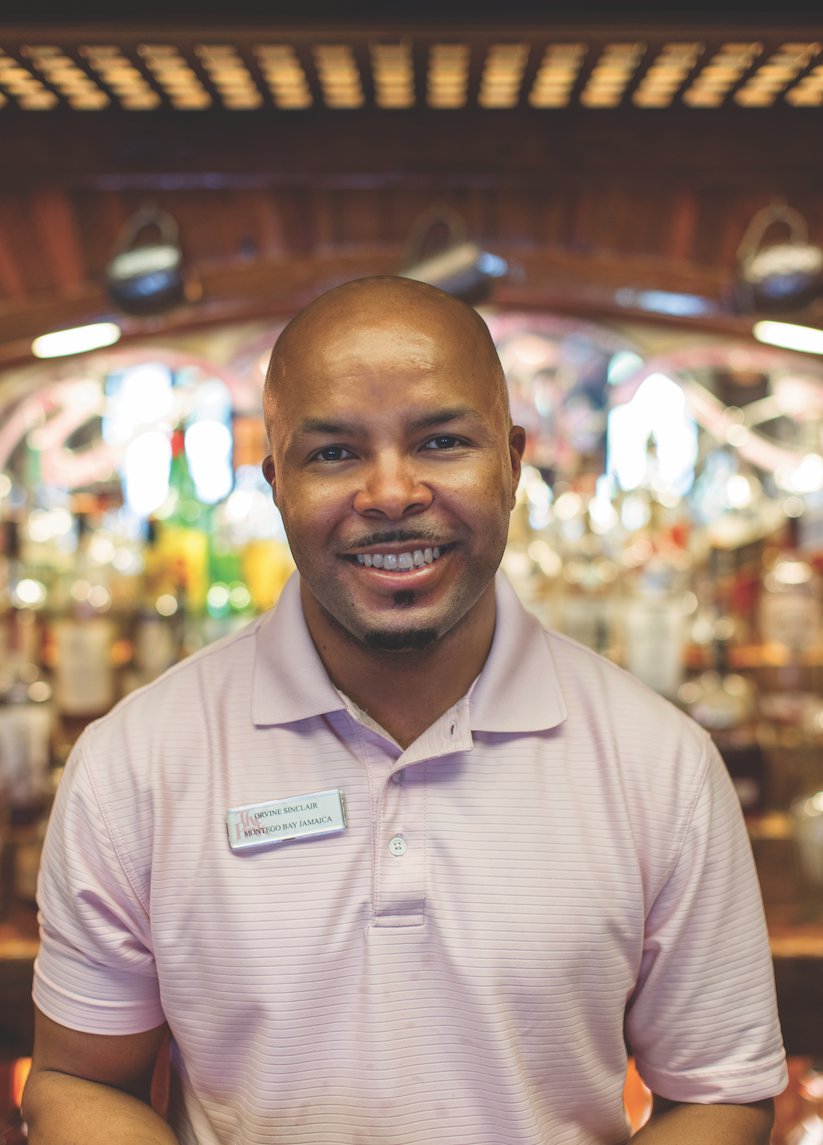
(674, 1124)
(64, 1110)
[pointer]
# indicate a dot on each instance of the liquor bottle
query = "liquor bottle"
(26, 715)
(26, 733)
(21, 600)
(157, 629)
(725, 704)
(806, 818)
(531, 561)
(588, 576)
(656, 598)
(85, 683)
(791, 604)
(249, 525)
(10, 575)
(655, 617)
(790, 620)
(185, 528)
(721, 698)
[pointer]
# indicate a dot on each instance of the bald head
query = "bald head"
(388, 422)
(362, 304)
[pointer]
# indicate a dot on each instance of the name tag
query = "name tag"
(301, 817)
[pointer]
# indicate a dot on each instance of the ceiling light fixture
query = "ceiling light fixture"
(789, 336)
(77, 340)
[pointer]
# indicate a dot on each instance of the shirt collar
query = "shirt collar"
(517, 691)
(290, 682)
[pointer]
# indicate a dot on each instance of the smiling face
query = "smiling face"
(393, 463)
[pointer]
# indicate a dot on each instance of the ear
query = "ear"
(517, 446)
(269, 474)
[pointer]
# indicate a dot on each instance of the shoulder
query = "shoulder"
(657, 754)
(608, 694)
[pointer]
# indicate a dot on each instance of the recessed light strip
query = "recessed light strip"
(788, 336)
(77, 340)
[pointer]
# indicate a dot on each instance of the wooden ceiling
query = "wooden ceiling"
(510, 67)
(598, 148)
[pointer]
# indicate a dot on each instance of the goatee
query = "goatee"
(413, 640)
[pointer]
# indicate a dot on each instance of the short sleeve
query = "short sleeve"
(702, 1022)
(95, 968)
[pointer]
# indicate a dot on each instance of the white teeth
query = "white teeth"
(402, 561)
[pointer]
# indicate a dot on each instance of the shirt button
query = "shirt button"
(398, 845)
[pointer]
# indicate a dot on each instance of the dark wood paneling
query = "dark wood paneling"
(55, 224)
(270, 203)
(737, 149)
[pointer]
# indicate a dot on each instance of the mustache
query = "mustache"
(395, 536)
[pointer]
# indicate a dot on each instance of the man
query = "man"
(468, 861)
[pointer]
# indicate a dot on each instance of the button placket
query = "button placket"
(400, 886)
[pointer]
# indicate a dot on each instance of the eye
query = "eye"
(443, 441)
(332, 453)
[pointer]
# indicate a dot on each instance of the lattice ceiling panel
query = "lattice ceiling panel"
(353, 72)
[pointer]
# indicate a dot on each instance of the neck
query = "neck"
(406, 692)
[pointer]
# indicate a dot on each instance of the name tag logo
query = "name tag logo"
(300, 817)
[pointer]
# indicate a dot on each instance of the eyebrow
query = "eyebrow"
(336, 428)
(444, 416)
(328, 428)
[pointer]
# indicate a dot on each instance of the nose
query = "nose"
(391, 489)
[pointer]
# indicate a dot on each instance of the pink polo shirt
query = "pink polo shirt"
(560, 852)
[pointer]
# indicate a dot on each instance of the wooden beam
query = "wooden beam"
(59, 238)
(769, 151)
(238, 290)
